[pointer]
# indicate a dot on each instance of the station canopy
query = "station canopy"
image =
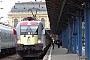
(62, 11)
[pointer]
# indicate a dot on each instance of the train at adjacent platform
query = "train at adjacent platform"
(32, 38)
(7, 39)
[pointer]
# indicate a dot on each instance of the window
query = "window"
(25, 30)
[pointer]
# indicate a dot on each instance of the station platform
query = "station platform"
(61, 54)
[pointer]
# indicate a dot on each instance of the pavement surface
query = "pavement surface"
(61, 54)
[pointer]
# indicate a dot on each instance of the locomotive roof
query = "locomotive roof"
(6, 25)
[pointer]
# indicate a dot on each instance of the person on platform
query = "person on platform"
(58, 43)
(53, 43)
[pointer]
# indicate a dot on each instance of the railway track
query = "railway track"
(12, 57)
(17, 57)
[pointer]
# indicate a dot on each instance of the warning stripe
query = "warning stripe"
(29, 23)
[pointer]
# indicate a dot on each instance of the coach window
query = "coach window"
(8, 36)
(0, 35)
(4, 37)
(11, 36)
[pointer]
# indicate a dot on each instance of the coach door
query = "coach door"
(0, 40)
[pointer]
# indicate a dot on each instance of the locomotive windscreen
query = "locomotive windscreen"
(28, 29)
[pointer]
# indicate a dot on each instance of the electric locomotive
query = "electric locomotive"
(31, 38)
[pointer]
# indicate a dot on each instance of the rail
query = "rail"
(47, 56)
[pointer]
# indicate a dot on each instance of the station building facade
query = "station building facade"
(22, 10)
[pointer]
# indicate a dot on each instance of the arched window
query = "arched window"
(15, 22)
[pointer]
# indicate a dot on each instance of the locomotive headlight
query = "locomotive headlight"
(39, 41)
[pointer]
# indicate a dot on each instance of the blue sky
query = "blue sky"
(7, 5)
